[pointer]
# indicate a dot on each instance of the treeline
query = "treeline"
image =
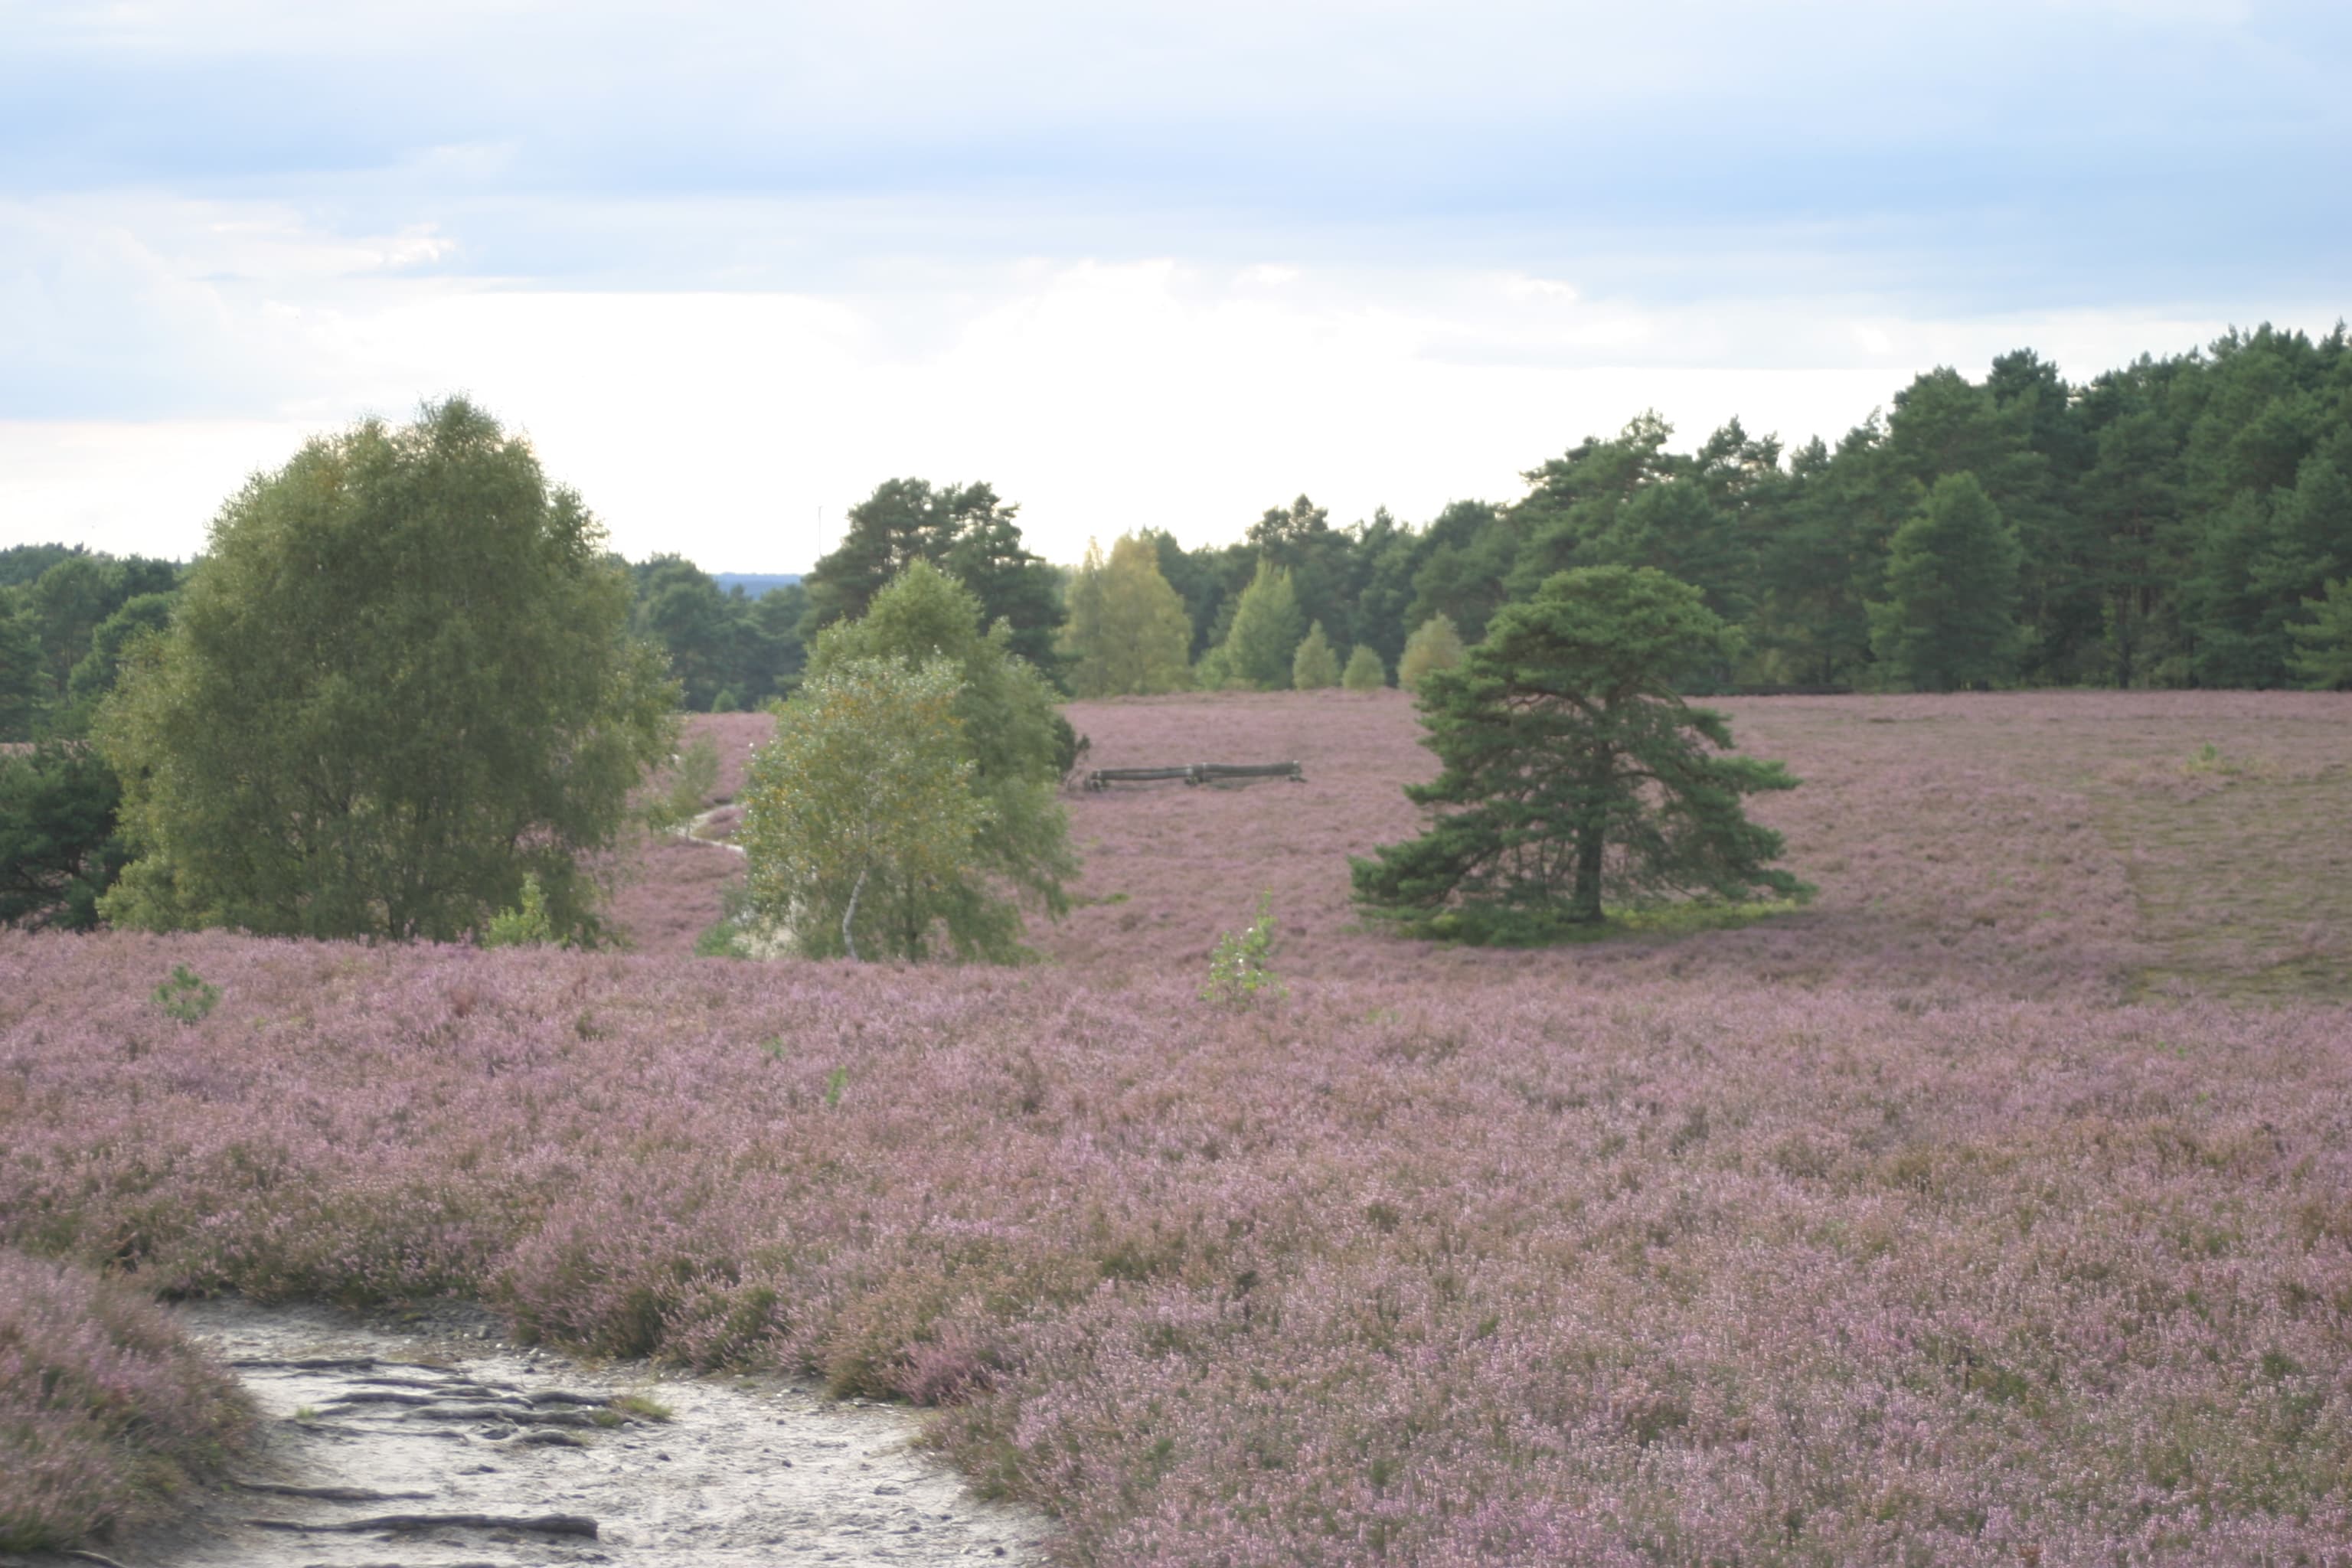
(2176, 523)
(728, 650)
(65, 615)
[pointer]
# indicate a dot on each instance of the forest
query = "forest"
(2177, 522)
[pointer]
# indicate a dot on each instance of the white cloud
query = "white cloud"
(1100, 396)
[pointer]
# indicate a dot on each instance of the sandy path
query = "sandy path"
(747, 1471)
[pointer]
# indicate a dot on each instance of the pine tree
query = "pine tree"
(2324, 659)
(1572, 772)
(1949, 619)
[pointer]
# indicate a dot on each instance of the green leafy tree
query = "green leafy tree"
(2324, 658)
(1012, 735)
(58, 847)
(1315, 666)
(1128, 634)
(1572, 772)
(400, 679)
(861, 827)
(1434, 646)
(1949, 618)
(965, 531)
(1364, 672)
(95, 675)
(680, 609)
(1267, 626)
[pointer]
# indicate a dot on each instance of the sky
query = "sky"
(1136, 265)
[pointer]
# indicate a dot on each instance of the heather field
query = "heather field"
(2091, 844)
(1996, 1208)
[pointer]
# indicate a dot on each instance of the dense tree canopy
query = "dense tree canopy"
(64, 616)
(1011, 733)
(1574, 774)
(965, 531)
(58, 847)
(1267, 626)
(2175, 522)
(400, 679)
(861, 829)
(1949, 619)
(1128, 635)
(726, 649)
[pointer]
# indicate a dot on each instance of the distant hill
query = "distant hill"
(754, 583)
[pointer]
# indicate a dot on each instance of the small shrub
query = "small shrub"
(526, 926)
(645, 1407)
(1314, 665)
(1238, 970)
(1365, 671)
(693, 775)
(1435, 646)
(186, 996)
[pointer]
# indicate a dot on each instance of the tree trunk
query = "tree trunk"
(850, 914)
(1584, 903)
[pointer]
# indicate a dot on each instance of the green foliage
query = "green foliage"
(1433, 646)
(734, 934)
(2172, 522)
(452, 697)
(1574, 772)
(143, 615)
(1266, 629)
(60, 850)
(2325, 660)
(964, 530)
(1315, 666)
(1239, 965)
(1128, 634)
(1949, 618)
(1016, 740)
(525, 925)
(861, 825)
(1364, 672)
(24, 690)
(693, 775)
(725, 647)
(186, 996)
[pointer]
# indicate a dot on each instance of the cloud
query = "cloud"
(1162, 263)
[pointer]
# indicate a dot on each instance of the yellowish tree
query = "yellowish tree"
(860, 825)
(1128, 634)
(1434, 646)
(1314, 665)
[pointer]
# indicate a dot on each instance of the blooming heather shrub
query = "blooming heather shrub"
(105, 1409)
(1461, 1265)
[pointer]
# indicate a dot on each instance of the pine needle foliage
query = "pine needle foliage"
(1574, 774)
